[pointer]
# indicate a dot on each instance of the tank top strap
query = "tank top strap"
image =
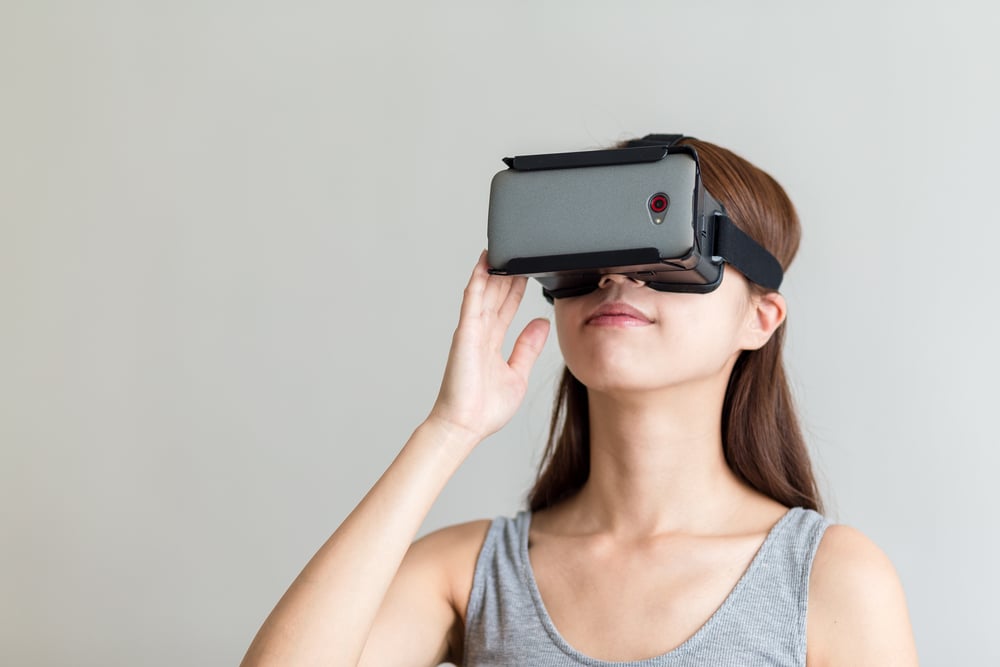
(768, 606)
(499, 560)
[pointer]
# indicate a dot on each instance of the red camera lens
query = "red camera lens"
(658, 203)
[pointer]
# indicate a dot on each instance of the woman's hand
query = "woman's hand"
(481, 390)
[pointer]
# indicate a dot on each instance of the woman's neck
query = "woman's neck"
(657, 465)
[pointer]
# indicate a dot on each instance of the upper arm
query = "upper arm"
(857, 609)
(422, 615)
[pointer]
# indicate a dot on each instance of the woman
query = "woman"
(675, 519)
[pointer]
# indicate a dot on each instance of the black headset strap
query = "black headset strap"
(749, 257)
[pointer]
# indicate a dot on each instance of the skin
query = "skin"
(660, 533)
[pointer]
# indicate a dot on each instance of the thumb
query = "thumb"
(528, 346)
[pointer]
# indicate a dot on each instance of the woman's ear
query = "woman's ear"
(765, 315)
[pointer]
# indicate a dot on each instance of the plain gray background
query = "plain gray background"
(235, 236)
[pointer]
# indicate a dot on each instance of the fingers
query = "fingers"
(528, 346)
(487, 293)
(473, 296)
(493, 300)
(512, 300)
(495, 291)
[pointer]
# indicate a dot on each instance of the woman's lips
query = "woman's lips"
(618, 314)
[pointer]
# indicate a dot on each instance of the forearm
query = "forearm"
(326, 614)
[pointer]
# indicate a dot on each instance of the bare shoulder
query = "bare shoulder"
(468, 535)
(451, 545)
(452, 551)
(422, 615)
(857, 608)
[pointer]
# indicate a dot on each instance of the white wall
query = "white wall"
(234, 237)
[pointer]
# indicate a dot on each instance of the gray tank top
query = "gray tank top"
(761, 623)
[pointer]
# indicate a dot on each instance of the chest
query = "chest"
(630, 603)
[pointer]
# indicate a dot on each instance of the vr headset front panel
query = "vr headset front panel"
(588, 210)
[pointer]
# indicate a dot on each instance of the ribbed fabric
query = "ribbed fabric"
(762, 623)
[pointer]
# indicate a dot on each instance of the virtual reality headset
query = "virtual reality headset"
(567, 219)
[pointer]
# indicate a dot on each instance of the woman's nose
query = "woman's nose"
(609, 279)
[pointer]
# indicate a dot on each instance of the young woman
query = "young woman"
(675, 520)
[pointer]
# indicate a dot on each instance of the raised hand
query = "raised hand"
(481, 390)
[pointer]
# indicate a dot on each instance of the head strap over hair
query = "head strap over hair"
(753, 260)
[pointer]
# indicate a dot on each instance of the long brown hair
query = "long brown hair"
(761, 438)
